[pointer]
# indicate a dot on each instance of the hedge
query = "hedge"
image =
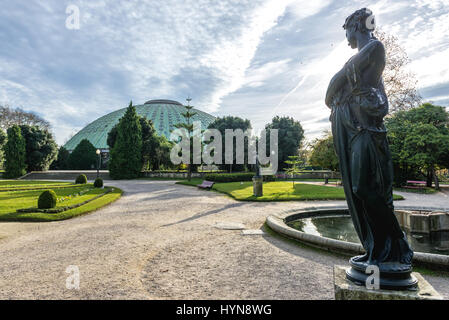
(98, 183)
(47, 200)
(81, 179)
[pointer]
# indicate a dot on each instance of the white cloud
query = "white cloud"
(251, 58)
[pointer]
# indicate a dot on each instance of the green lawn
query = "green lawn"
(22, 184)
(423, 190)
(194, 182)
(278, 191)
(11, 201)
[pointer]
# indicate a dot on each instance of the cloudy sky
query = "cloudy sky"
(250, 58)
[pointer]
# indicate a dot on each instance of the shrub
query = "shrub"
(229, 177)
(15, 153)
(47, 200)
(98, 183)
(81, 179)
(83, 157)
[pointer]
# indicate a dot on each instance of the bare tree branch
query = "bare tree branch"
(400, 84)
(10, 116)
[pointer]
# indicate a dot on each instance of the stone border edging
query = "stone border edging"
(277, 223)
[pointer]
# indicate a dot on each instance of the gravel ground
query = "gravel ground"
(160, 241)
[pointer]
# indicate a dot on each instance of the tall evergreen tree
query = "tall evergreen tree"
(188, 115)
(150, 141)
(83, 157)
(126, 155)
(15, 153)
(62, 161)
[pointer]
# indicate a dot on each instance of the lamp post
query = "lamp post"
(98, 162)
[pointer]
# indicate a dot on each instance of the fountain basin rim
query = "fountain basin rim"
(278, 223)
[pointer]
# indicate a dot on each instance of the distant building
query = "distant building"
(164, 114)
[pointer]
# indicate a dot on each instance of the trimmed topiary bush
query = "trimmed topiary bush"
(81, 179)
(98, 183)
(47, 200)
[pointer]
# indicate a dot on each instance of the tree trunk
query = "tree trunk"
(189, 172)
(435, 179)
(429, 178)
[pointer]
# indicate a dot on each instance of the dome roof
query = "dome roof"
(164, 114)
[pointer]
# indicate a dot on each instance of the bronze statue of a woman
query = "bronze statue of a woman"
(358, 101)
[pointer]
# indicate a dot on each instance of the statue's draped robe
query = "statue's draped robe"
(367, 172)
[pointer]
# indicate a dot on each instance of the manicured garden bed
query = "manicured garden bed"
(277, 191)
(74, 200)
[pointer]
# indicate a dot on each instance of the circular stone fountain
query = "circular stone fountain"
(331, 228)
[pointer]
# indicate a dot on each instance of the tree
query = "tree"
(9, 117)
(294, 163)
(160, 155)
(149, 141)
(126, 154)
(234, 123)
(290, 136)
(14, 153)
(188, 115)
(400, 84)
(419, 141)
(323, 153)
(83, 157)
(154, 147)
(41, 149)
(2, 143)
(62, 160)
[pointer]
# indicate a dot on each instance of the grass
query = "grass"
(194, 182)
(11, 201)
(424, 190)
(84, 209)
(22, 184)
(277, 191)
(308, 180)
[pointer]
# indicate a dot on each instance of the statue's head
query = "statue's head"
(361, 21)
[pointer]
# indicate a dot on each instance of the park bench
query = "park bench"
(411, 184)
(206, 185)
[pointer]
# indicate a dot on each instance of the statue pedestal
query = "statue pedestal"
(347, 290)
(258, 186)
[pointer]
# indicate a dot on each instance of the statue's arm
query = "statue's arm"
(335, 85)
(370, 61)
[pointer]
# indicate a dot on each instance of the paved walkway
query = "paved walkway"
(159, 241)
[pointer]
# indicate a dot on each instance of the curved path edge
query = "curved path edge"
(277, 222)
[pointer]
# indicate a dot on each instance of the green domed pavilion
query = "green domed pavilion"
(164, 114)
